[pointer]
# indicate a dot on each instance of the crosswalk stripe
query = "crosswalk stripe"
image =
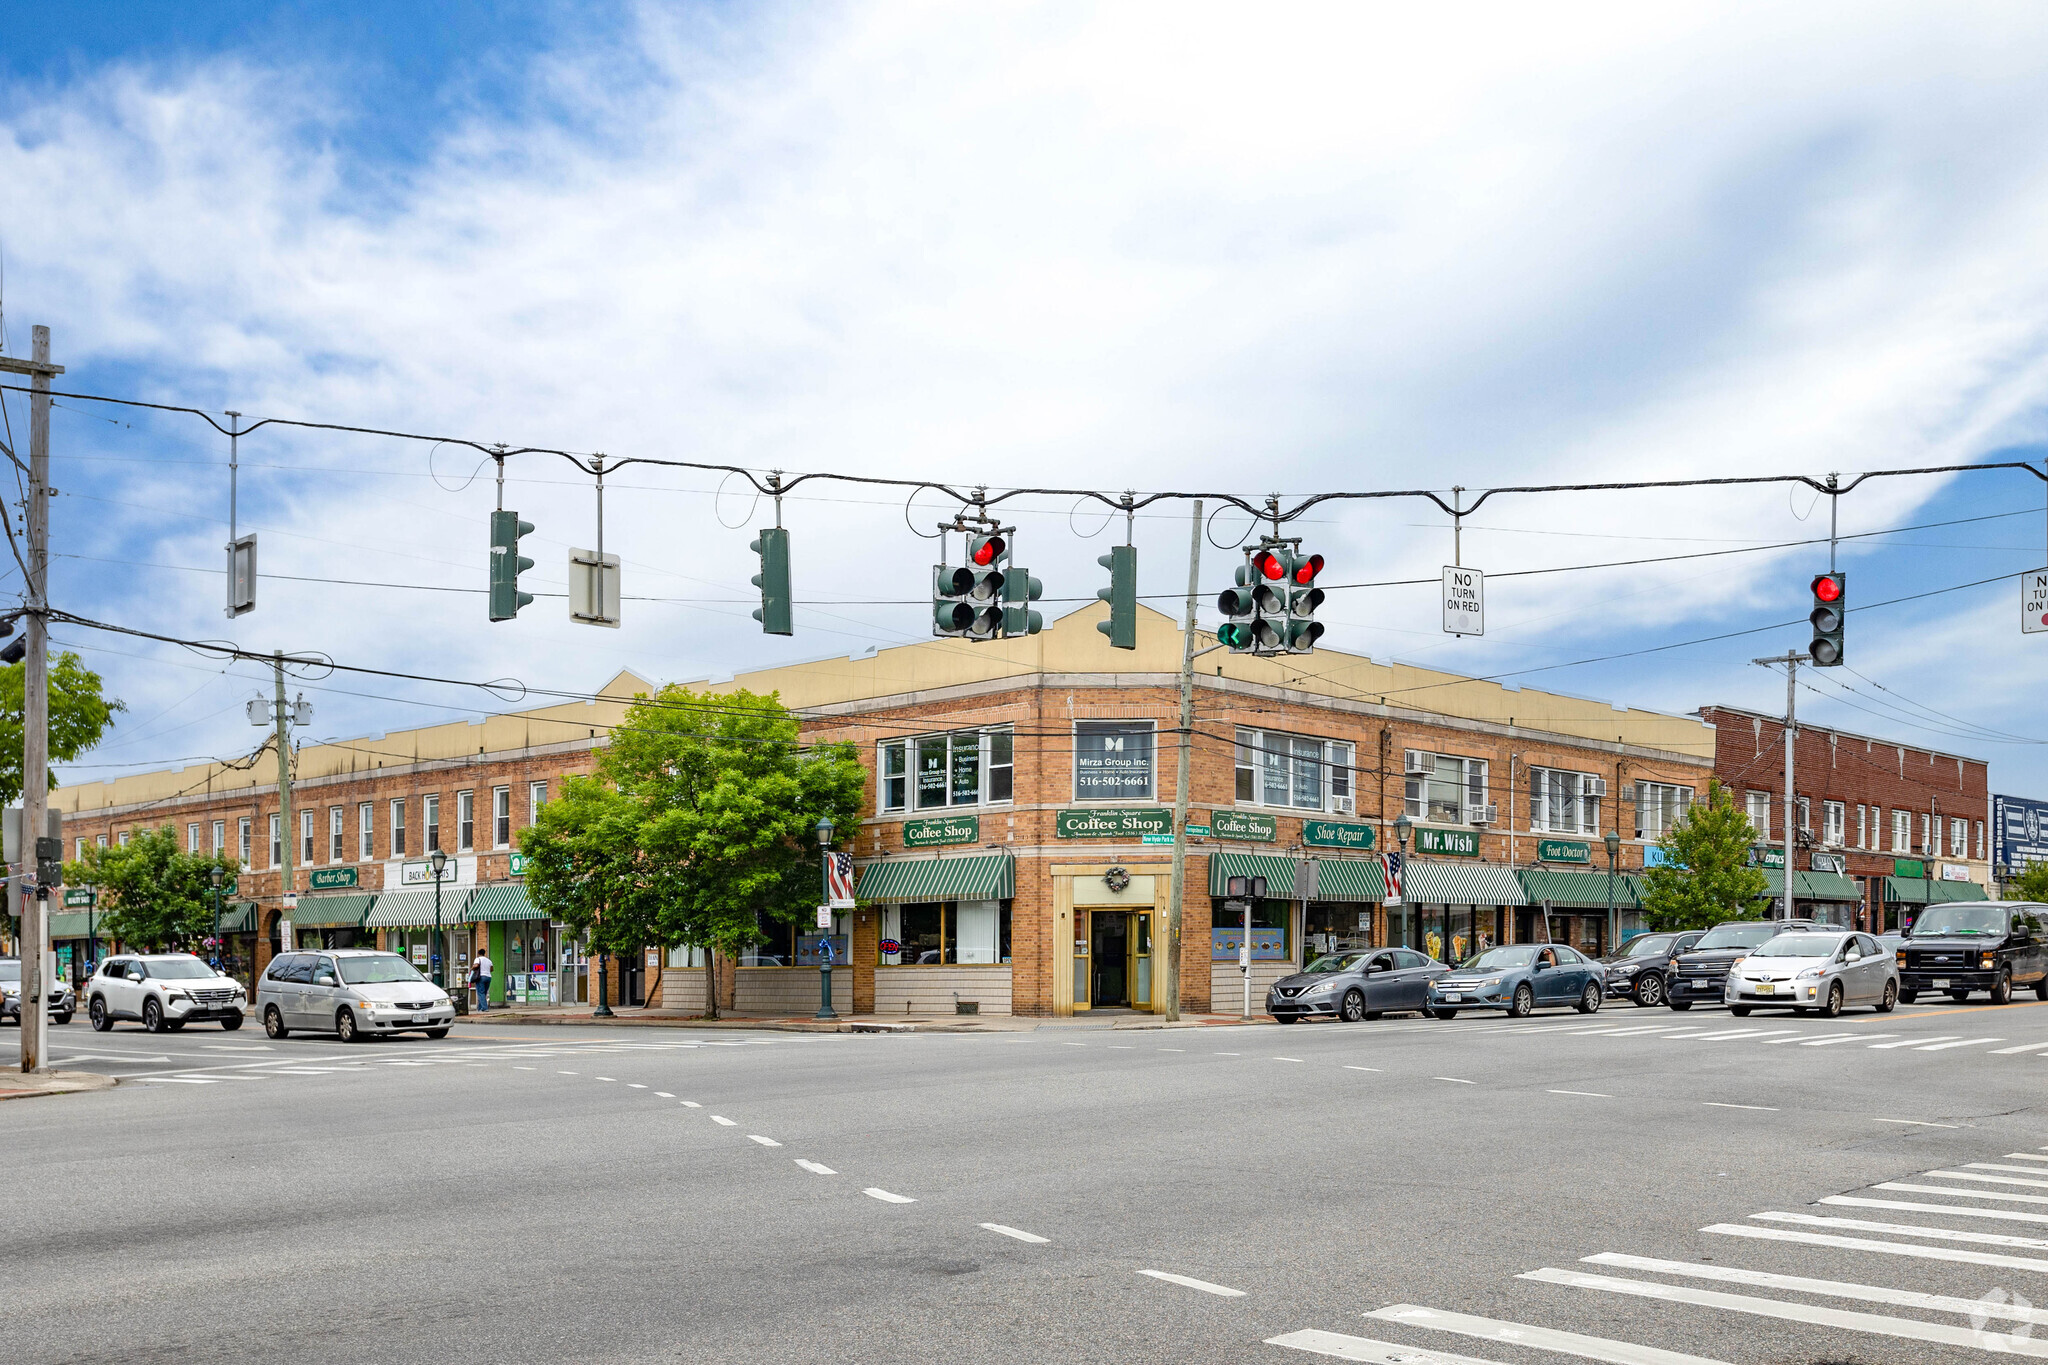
(1906, 1187)
(1644, 1030)
(1907, 1329)
(1910, 1042)
(1990, 1179)
(1854, 1202)
(1994, 1239)
(1829, 1239)
(2026, 1156)
(1994, 1166)
(1961, 1042)
(180, 1080)
(1801, 1284)
(1342, 1347)
(2023, 1047)
(1847, 1038)
(1541, 1338)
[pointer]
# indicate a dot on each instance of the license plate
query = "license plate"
(1941, 983)
(1766, 988)
(422, 1018)
(1453, 995)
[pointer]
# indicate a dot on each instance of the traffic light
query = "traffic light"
(1235, 605)
(1271, 571)
(952, 606)
(1830, 606)
(773, 581)
(1019, 590)
(1303, 597)
(985, 592)
(507, 564)
(1122, 596)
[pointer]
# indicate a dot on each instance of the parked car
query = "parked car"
(1965, 946)
(1701, 973)
(165, 991)
(1814, 971)
(352, 992)
(1641, 971)
(1355, 985)
(1518, 978)
(63, 1004)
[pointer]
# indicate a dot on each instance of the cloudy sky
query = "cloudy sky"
(1296, 248)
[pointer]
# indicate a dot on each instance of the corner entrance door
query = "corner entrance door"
(1109, 935)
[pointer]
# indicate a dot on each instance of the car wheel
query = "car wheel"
(273, 1023)
(1834, 1004)
(65, 1017)
(1445, 1014)
(1283, 1018)
(1907, 997)
(345, 1027)
(97, 1013)
(231, 1023)
(1650, 990)
(1371, 1015)
(2001, 993)
(1959, 996)
(1589, 999)
(1523, 1004)
(152, 1017)
(1891, 998)
(437, 1033)
(2041, 988)
(1354, 1006)
(1680, 1004)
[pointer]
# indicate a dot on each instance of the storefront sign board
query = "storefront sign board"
(1563, 851)
(1112, 822)
(933, 830)
(1244, 826)
(1338, 834)
(1908, 867)
(331, 878)
(1453, 843)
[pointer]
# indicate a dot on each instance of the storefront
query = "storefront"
(331, 921)
(1906, 897)
(71, 938)
(942, 934)
(1825, 896)
(404, 923)
(1452, 910)
(523, 943)
(1578, 906)
(1332, 907)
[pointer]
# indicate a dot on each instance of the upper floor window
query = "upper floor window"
(277, 841)
(1958, 837)
(536, 797)
(432, 805)
(932, 772)
(1563, 802)
(337, 834)
(1902, 831)
(192, 838)
(220, 838)
(398, 829)
(1835, 823)
(1113, 760)
(501, 817)
(1805, 816)
(465, 821)
(242, 839)
(1445, 788)
(366, 831)
(1660, 806)
(1760, 814)
(306, 837)
(1276, 769)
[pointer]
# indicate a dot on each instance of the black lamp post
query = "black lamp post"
(213, 876)
(438, 860)
(1402, 826)
(92, 933)
(1613, 852)
(823, 829)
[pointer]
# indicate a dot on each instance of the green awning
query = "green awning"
(1350, 879)
(1916, 891)
(981, 878)
(1579, 890)
(331, 912)
(502, 901)
(1813, 886)
(415, 909)
(239, 918)
(73, 925)
(1278, 872)
(1463, 884)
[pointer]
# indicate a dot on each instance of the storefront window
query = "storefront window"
(921, 930)
(1113, 760)
(1269, 924)
(946, 933)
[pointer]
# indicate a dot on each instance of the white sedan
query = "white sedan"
(1822, 972)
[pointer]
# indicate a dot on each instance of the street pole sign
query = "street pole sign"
(2034, 602)
(1464, 601)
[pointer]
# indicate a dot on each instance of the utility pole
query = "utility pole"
(35, 709)
(1171, 977)
(1791, 659)
(282, 721)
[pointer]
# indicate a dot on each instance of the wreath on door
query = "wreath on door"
(1116, 879)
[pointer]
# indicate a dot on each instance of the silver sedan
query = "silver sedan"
(1822, 972)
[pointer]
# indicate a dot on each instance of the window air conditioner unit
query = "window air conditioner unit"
(1417, 764)
(1594, 786)
(1343, 805)
(1482, 815)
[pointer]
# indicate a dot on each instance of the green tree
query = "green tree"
(152, 894)
(79, 715)
(1706, 877)
(2030, 885)
(732, 797)
(585, 867)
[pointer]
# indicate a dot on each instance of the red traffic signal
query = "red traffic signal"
(1269, 565)
(1827, 587)
(1305, 570)
(986, 550)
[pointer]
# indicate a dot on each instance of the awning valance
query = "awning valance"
(1350, 879)
(239, 918)
(73, 925)
(1813, 886)
(331, 912)
(1462, 884)
(1919, 891)
(981, 878)
(1278, 872)
(1579, 890)
(415, 909)
(502, 901)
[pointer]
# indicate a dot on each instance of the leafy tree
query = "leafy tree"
(2030, 885)
(153, 894)
(584, 865)
(732, 798)
(79, 716)
(1706, 877)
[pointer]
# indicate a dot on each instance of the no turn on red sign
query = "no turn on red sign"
(1464, 601)
(2034, 602)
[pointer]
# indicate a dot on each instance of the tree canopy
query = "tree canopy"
(79, 715)
(1706, 877)
(153, 894)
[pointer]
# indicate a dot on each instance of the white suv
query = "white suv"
(166, 991)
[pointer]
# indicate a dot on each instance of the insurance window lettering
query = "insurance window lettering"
(1293, 771)
(934, 772)
(1113, 760)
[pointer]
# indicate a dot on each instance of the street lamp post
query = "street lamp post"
(1403, 826)
(1613, 852)
(438, 860)
(213, 876)
(823, 829)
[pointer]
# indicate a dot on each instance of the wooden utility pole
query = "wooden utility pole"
(1170, 981)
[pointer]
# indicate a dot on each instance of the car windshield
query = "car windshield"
(1497, 959)
(1648, 945)
(371, 971)
(1336, 962)
(1961, 919)
(178, 969)
(1800, 945)
(1737, 936)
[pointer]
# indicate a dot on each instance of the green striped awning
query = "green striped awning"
(1579, 890)
(1813, 886)
(239, 918)
(987, 877)
(502, 901)
(415, 909)
(67, 926)
(1278, 872)
(1350, 879)
(1462, 884)
(1916, 891)
(331, 912)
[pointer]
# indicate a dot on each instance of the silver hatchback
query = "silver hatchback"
(1816, 971)
(354, 992)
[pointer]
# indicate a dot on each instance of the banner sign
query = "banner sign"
(1392, 866)
(1563, 851)
(1338, 834)
(1454, 843)
(516, 865)
(1243, 825)
(77, 898)
(1909, 867)
(1112, 822)
(2019, 831)
(933, 830)
(1771, 857)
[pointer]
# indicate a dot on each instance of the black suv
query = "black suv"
(1700, 976)
(1964, 946)
(1641, 971)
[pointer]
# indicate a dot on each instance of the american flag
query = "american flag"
(839, 880)
(1393, 868)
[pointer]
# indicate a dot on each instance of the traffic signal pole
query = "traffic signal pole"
(1170, 982)
(1791, 659)
(282, 720)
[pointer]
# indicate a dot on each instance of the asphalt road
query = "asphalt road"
(1251, 1194)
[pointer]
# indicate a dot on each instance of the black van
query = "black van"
(1965, 946)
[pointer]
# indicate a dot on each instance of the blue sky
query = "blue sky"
(1348, 247)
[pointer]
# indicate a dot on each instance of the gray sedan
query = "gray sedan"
(1816, 971)
(1355, 985)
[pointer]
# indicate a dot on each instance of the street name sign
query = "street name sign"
(1464, 601)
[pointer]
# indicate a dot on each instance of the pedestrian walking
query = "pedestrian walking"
(480, 977)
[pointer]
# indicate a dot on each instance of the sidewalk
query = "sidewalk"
(16, 1086)
(636, 1017)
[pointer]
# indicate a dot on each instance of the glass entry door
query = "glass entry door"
(1141, 960)
(1082, 998)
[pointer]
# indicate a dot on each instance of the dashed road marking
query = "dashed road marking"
(816, 1167)
(1454, 1080)
(1589, 1094)
(723, 1122)
(691, 1104)
(663, 1094)
(764, 1141)
(886, 1197)
(1017, 1233)
(1349, 1067)
(1717, 1104)
(1220, 1290)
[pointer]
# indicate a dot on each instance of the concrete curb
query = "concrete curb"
(16, 1086)
(852, 1024)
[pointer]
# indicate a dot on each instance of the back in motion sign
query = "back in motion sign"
(2034, 602)
(1464, 601)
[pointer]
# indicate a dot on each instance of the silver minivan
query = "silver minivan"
(353, 992)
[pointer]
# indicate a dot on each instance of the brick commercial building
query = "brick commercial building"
(1009, 854)
(1881, 829)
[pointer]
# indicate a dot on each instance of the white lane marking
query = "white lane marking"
(1724, 1033)
(886, 1197)
(663, 1094)
(1689, 1033)
(1542, 1338)
(1226, 1054)
(764, 1141)
(1800, 1284)
(691, 1104)
(265, 1047)
(1914, 1042)
(816, 1167)
(2023, 1047)
(182, 1080)
(1964, 1042)
(1955, 1193)
(310, 1071)
(1349, 1067)
(1589, 1094)
(558, 1073)
(602, 1078)
(1907, 1329)
(1918, 1123)
(1173, 1049)
(522, 1068)
(1792, 1037)
(1287, 1059)
(1454, 1080)
(1829, 1239)
(1188, 1282)
(1017, 1233)
(1995, 1239)
(1717, 1104)
(1847, 1038)
(1341, 1347)
(723, 1122)
(1064, 1043)
(209, 1076)
(634, 1085)
(1952, 1210)
(2026, 1156)
(1640, 1030)
(1964, 1174)
(111, 1057)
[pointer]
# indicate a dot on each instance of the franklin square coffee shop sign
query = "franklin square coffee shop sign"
(1112, 822)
